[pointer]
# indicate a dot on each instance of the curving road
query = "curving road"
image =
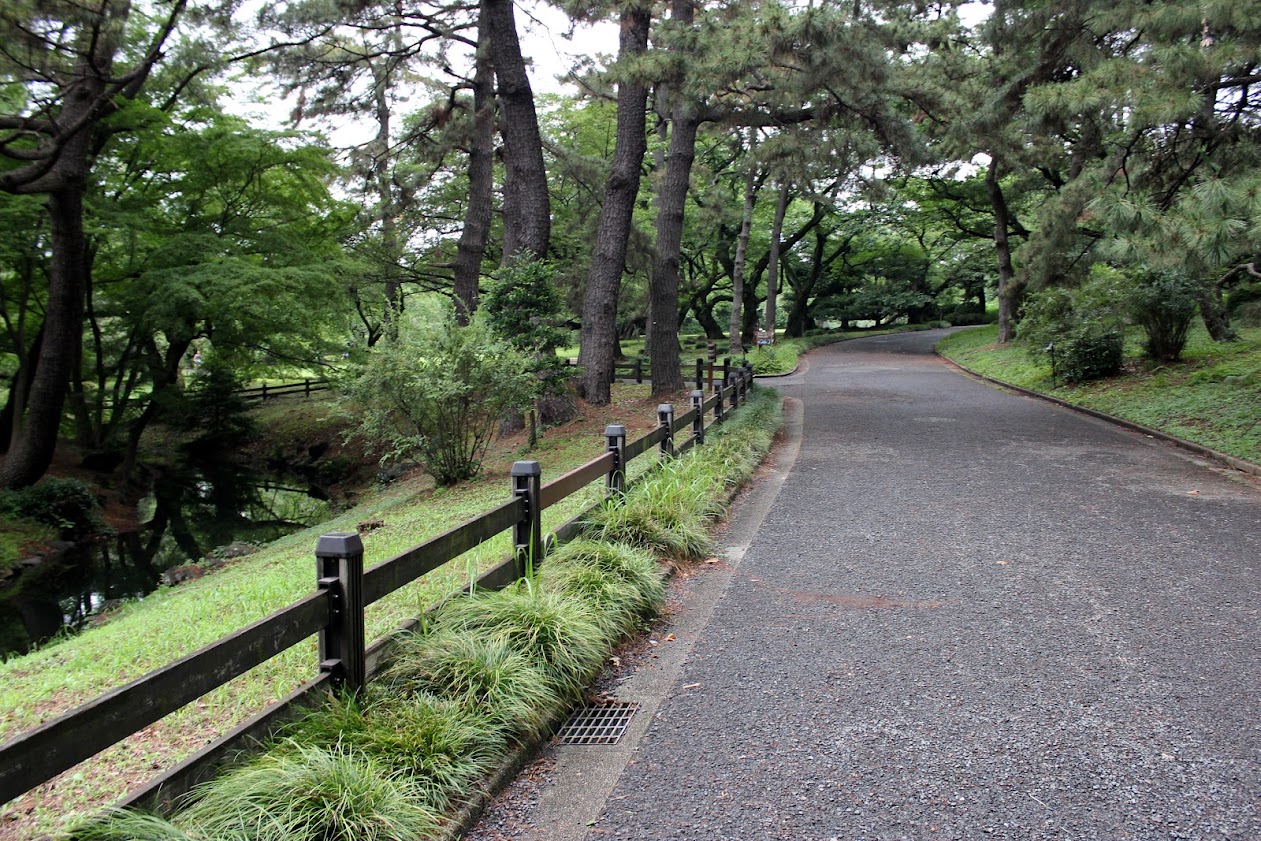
(957, 613)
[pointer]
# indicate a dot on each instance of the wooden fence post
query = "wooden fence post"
(339, 566)
(734, 384)
(639, 369)
(698, 422)
(726, 368)
(718, 387)
(700, 371)
(665, 417)
(616, 435)
(748, 379)
(527, 534)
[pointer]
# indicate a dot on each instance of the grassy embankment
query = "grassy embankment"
(1211, 397)
(176, 621)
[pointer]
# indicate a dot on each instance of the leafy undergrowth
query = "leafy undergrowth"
(484, 674)
(1211, 397)
(172, 622)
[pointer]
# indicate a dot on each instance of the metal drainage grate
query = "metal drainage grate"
(598, 724)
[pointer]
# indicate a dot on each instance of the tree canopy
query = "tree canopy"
(746, 165)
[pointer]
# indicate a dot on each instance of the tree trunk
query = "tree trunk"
(598, 339)
(735, 340)
(772, 276)
(35, 435)
(663, 290)
(663, 286)
(481, 175)
(1008, 290)
(19, 391)
(1215, 315)
(527, 213)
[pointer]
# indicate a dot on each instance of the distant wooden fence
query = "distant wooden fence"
(305, 388)
(335, 612)
(705, 372)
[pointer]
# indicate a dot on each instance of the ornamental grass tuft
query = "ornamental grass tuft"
(305, 793)
(483, 672)
(558, 635)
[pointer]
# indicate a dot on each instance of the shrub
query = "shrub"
(780, 358)
(1089, 352)
(65, 504)
(1163, 304)
(438, 397)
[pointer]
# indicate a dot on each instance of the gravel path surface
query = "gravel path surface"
(966, 614)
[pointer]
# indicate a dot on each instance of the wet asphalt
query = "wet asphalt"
(964, 614)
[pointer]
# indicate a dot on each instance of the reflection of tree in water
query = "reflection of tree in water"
(186, 517)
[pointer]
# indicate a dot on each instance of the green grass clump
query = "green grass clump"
(483, 673)
(311, 794)
(638, 582)
(558, 635)
(129, 825)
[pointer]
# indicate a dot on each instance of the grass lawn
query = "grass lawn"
(1211, 397)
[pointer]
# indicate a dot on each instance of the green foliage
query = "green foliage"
(1211, 397)
(128, 825)
(1080, 331)
(1163, 304)
(65, 504)
(484, 673)
(1089, 352)
(779, 358)
(307, 793)
(616, 564)
(212, 405)
(438, 396)
(668, 512)
(444, 746)
(523, 306)
(560, 636)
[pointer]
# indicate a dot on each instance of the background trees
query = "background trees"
(750, 163)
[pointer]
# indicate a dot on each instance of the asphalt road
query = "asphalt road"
(964, 614)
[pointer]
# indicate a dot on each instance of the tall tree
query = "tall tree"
(527, 208)
(598, 339)
(76, 64)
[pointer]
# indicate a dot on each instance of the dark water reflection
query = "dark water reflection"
(186, 518)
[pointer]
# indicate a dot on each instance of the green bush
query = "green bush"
(779, 358)
(67, 505)
(439, 397)
(1163, 304)
(1089, 352)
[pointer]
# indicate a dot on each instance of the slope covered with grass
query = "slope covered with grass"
(1211, 397)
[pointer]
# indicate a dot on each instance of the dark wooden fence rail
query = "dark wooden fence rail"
(705, 372)
(305, 388)
(335, 612)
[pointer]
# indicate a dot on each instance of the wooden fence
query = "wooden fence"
(335, 612)
(705, 373)
(305, 388)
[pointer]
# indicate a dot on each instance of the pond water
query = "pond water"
(214, 511)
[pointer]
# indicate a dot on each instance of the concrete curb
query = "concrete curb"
(1199, 449)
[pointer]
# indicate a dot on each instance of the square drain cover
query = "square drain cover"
(598, 724)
